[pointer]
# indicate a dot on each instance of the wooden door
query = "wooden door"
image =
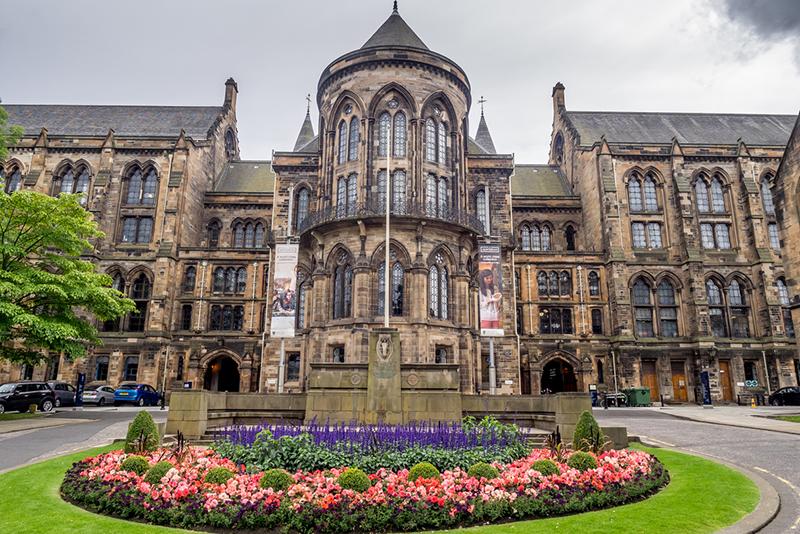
(725, 380)
(650, 379)
(679, 382)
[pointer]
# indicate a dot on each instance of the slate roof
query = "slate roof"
(306, 134)
(246, 177)
(395, 32)
(474, 148)
(484, 138)
(539, 181)
(688, 128)
(126, 121)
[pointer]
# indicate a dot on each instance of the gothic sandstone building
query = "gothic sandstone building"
(646, 250)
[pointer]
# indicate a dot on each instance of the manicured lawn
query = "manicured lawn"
(790, 418)
(702, 497)
(15, 416)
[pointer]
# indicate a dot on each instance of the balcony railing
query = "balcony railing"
(376, 208)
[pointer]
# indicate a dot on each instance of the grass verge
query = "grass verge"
(16, 416)
(702, 496)
(790, 418)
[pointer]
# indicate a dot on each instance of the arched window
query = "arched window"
(597, 325)
(230, 145)
(352, 153)
(342, 142)
(553, 283)
(134, 193)
(716, 309)
(536, 238)
(249, 235)
(701, 196)
(558, 149)
(667, 309)
(259, 237)
(430, 140)
(783, 297)
(302, 296)
(118, 283)
(569, 236)
(238, 235)
(396, 286)
(482, 211)
(399, 192)
(442, 147)
(399, 140)
(600, 375)
(241, 280)
(545, 233)
(717, 196)
(565, 284)
(140, 294)
(650, 198)
(437, 198)
(342, 288)
(142, 187)
(82, 185)
(218, 285)
(186, 317)
(643, 309)
(739, 310)
(635, 194)
(67, 181)
(214, 228)
(230, 280)
(384, 122)
(541, 281)
(438, 292)
(14, 181)
(301, 206)
(594, 284)
(766, 196)
(189, 276)
(525, 236)
(101, 368)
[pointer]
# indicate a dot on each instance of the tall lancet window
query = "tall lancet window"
(383, 133)
(399, 140)
(354, 139)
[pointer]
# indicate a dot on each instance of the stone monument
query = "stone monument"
(384, 396)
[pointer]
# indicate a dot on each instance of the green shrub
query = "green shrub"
(423, 470)
(587, 436)
(354, 479)
(277, 479)
(483, 470)
(137, 464)
(218, 475)
(546, 467)
(157, 472)
(582, 461)
(142, 434)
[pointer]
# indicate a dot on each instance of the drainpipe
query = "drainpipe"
(614, 366)
(766, 371)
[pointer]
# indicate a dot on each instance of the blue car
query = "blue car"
(138, 394)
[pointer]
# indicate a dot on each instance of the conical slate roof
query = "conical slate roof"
(484, 138)
(395, 32)
(306, 133)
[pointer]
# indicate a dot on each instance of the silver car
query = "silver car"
(98, 394)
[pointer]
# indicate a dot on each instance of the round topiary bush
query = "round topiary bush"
(582, 461)
(142, 434)
(157, 472)
(277, 479)
(423, 470)
(137, 464)
(483, 470)
(546, 467)
(218, 475)
(354, 479)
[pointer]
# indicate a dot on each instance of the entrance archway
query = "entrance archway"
(222, 374)
(558, 376)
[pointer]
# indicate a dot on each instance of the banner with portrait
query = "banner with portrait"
(284, 291)
(490, 284)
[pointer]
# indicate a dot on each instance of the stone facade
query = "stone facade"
(585, 260)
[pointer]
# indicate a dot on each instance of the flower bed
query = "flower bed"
(371, 447)
(315, 501)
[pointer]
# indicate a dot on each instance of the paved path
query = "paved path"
(760, 418)
(773, 455)
(91, 427)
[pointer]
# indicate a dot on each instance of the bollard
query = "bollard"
(753, 401)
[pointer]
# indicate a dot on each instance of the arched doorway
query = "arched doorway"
(222, 374)
(558, 376)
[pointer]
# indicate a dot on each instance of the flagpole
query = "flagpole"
(386, 274)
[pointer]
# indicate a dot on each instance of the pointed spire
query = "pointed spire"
(394, 10)
(307, 130)
(395, 32)
(483, 137)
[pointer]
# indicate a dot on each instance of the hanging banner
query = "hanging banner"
(490, 282)
(284, 291)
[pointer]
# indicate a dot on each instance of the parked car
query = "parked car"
(134, 393)
(18, 396)
(789, 396)
(98, 394)
(64, 393)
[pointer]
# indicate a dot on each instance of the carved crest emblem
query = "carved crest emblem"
(384, 347)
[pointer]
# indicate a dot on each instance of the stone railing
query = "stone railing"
(377, 208)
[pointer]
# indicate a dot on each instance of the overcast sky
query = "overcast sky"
(702, 56)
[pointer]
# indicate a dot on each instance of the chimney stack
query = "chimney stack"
(558, 96)
(231, 90)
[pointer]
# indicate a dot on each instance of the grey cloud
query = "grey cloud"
(769, 19)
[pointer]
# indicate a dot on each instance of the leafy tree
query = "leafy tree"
(9, 135)
(47, 293)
